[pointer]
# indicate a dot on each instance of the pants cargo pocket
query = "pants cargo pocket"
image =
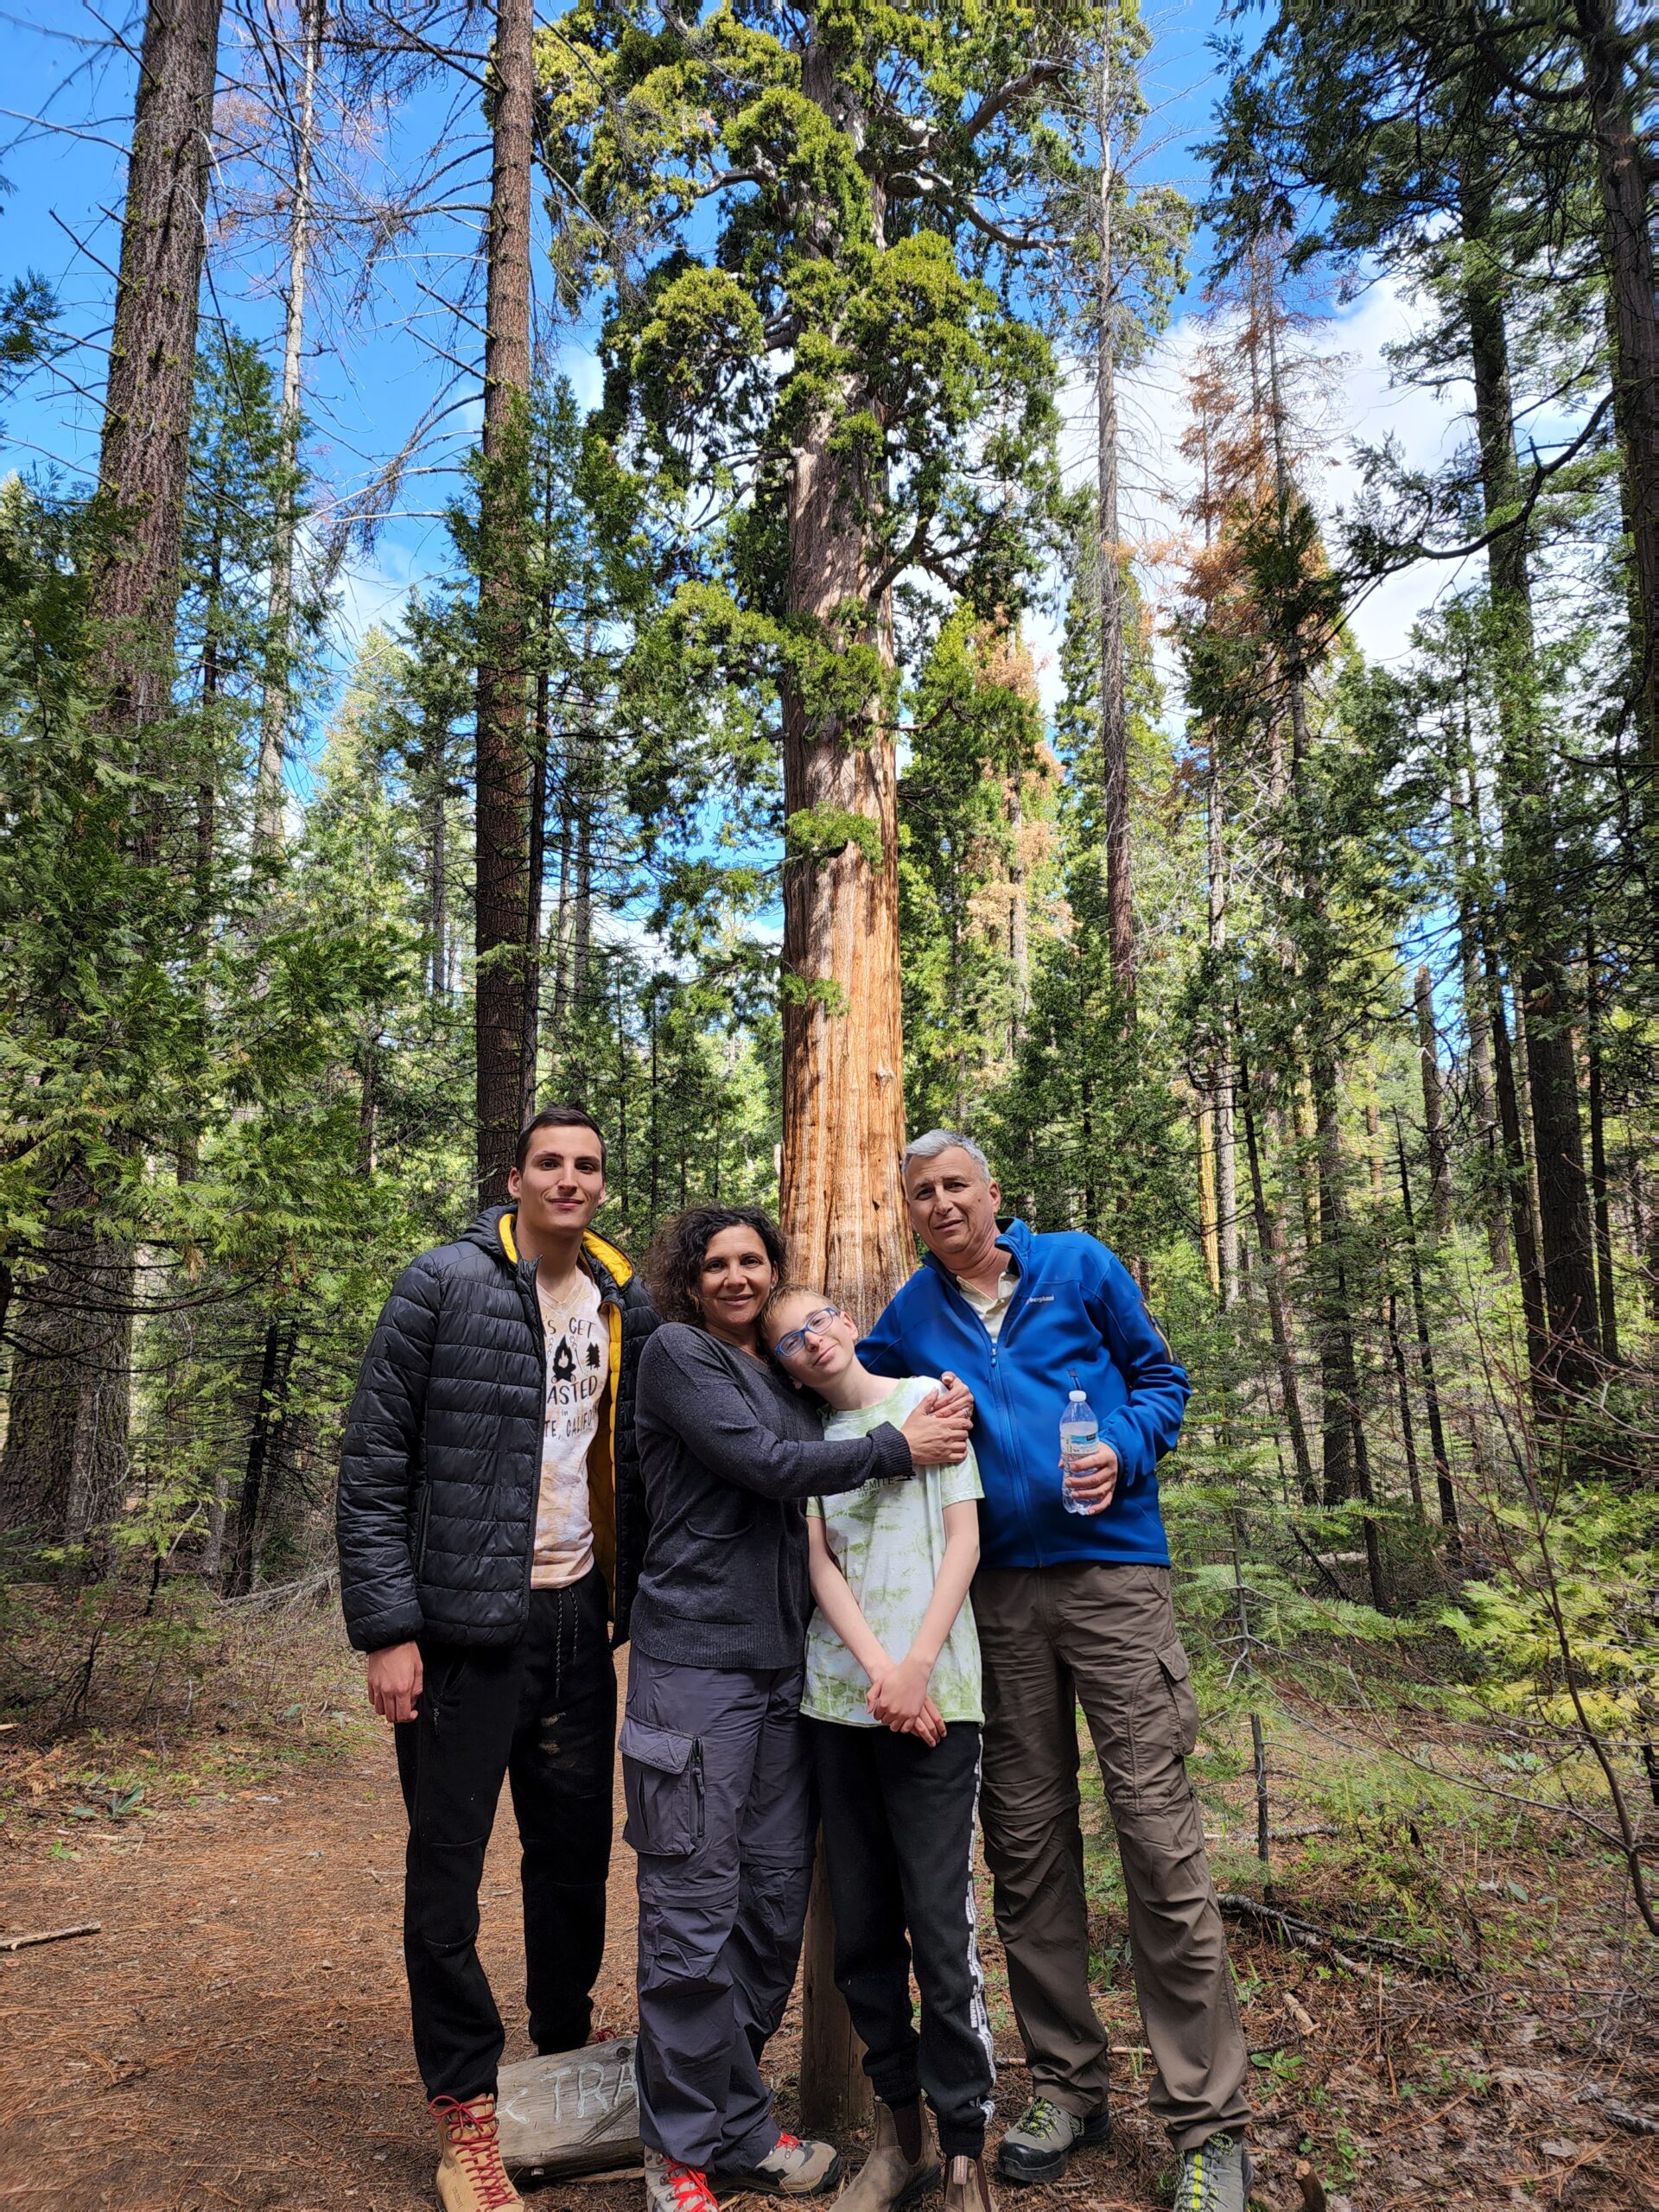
(662, 1781)
(1178, 1679)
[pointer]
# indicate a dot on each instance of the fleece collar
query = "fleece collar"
(1013, 1235)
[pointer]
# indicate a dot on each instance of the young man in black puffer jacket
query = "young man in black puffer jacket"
(491, 1524)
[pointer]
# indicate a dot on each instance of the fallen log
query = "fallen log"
(50, 1936)
(1291, 1928)
(572, 2111)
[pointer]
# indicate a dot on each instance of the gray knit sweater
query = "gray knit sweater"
(728, 1449)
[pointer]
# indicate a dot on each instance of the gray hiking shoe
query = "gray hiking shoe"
(793, 2167)
(670, 2187)
(1214, 2176)
(1040, 2142)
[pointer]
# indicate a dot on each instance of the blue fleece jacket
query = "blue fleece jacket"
(1075, 1309)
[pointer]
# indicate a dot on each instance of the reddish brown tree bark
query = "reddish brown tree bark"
(841, 1201)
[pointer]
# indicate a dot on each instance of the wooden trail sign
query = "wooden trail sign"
(573, 2112)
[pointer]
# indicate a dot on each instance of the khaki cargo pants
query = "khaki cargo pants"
(1103, 1636)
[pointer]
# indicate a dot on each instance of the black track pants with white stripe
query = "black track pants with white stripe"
(898, 1847)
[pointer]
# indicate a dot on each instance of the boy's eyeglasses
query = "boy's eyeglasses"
(794, 1340)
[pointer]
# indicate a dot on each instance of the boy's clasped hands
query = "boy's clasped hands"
(898, 1698)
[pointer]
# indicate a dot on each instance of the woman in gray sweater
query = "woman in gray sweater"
(715, 1768)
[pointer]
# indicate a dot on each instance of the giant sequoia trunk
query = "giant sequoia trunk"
(841, 1200)
(503, 769)
(66, 1440)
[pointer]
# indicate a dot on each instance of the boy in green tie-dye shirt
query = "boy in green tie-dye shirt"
(894, 1702)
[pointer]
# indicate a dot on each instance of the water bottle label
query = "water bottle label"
(1079, 1432)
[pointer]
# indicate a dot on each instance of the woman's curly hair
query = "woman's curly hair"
(672, 1265)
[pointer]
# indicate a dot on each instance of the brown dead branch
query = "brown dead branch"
(50, 1936)
(1311, 2187)
(1290, 1928)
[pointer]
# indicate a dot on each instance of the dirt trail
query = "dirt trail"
(237, 2035)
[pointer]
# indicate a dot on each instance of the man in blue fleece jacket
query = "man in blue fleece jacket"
(1075, 1607)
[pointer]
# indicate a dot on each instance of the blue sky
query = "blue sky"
(371, 371)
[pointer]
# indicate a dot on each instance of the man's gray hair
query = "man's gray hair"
(938, 1140)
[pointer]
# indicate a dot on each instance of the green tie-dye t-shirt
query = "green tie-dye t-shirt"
(888, 1539)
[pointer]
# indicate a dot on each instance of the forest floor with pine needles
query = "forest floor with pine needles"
(235, 2033)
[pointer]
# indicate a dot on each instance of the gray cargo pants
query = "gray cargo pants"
(718, 1777)
(1052, 1638)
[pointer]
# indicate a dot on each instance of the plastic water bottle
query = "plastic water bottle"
(1079, 1432)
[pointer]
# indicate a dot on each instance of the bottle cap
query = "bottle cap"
(1077, 1397)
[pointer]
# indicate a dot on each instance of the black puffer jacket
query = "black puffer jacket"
(436, 1512)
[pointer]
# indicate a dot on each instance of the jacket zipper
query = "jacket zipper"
(1004, 1411)
(525, 1273)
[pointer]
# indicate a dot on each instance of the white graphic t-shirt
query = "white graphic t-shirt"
(578, 1368)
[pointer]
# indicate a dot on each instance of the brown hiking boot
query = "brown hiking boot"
(967, 2186)
(471, 2176)
(889, 2176)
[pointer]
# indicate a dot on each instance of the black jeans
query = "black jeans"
(899, 1851)
(543, 1713)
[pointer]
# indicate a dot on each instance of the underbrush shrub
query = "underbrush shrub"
(165, 1664)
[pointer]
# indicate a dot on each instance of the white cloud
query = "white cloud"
(1365, 409)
